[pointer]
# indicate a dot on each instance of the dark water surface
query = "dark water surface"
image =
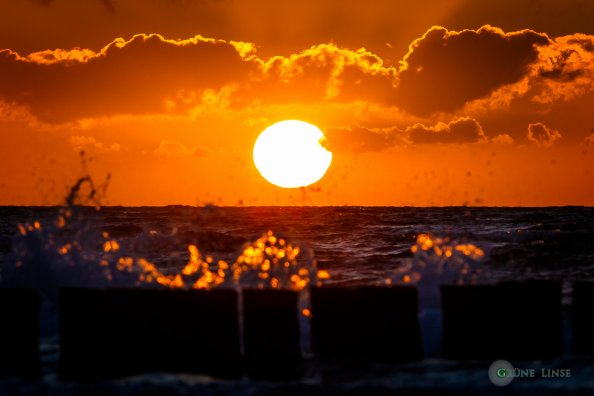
(357, 245)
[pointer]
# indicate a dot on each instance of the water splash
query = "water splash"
(443, 260)
(438, 260)
(54, 252)
(271, 262)
(70, 251)
(267, 262)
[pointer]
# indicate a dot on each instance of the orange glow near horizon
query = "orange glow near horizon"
(419, 105)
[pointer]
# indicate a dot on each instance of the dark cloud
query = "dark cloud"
(558, 68)
(445, 69)
(149, 74)
(565, 70)
(442, 71)
(557, 18)
(503, 138)
(324, 72)
(462, 130)
(126, 77)
(541, 135)
(360, 139)
(558, 89)
(584, 42)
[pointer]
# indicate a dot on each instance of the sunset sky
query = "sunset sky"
(458, 102)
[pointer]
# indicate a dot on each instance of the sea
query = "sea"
(51, 247)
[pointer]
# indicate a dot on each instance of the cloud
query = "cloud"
(557, 89)
(445, 69)
(149, 74)
(361, 139)
(541, 135)
(80, 143)
(562, 72)
(125, 77)
(565, 70)
(589, 140)
(325, 72)
(178, 150)
(442, 71)
(459, 131)
(445, 75)
(503, 138)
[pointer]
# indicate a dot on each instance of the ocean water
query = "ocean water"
(357, 245)
(51, 247)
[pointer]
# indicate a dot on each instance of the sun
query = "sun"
(290, 154)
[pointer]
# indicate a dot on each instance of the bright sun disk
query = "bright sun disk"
(291, 154)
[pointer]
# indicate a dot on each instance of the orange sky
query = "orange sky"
(423, 103)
